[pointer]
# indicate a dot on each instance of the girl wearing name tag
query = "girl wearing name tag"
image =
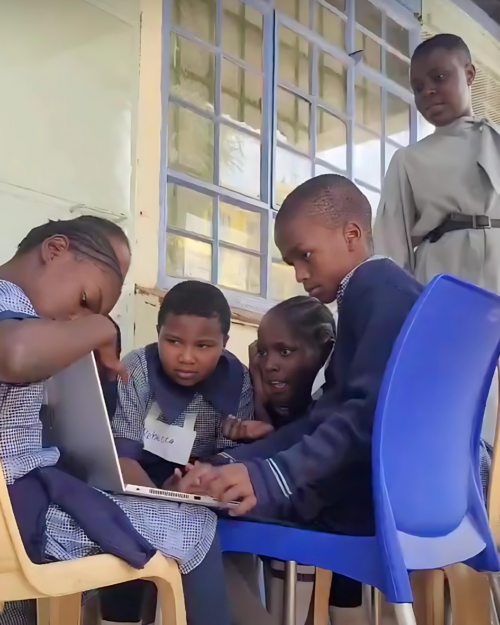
(55, 295)
(172, 408)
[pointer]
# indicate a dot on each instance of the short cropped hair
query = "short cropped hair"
(444, 41)
(198, 299)
(309, 318)
(330, 197)
(88, 236)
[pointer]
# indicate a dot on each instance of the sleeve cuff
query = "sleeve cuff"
(10, 314)
(271, 494)
(127, 448)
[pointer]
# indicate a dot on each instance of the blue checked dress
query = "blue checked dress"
(136, 398)
(179, 531)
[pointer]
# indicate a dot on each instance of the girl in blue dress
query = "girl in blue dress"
(55, 297)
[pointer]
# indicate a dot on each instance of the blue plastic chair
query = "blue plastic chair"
(429, 508)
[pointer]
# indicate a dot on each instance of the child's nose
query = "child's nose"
(187, 356)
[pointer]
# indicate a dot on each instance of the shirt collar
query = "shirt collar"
(345, 281)
(320, 379)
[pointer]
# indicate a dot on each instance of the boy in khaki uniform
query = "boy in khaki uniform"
(440, 210)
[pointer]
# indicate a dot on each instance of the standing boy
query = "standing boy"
(440, 210)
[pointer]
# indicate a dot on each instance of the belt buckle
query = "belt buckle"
(481, 222)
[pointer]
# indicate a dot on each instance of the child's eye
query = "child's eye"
(83, 302)
(286, 352)
(203, 346)
(307, 254)
(261, 353)
(173, 341)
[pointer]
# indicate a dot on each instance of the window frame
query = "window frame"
(266, 205)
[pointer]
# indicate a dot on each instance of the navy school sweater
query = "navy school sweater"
(316, 471)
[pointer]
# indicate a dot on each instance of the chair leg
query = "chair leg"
(290, 594)
(428, 597)
(170, 601)
(494, 579)
(322, 587)
(404, 614)
(368, 602)
(66, 610)
(377, 607)
(470, 595)
(43, 611)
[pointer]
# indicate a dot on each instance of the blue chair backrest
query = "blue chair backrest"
(431, 408)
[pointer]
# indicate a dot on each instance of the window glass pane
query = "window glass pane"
(187, 258)
(190, 143)
(242, 32)
(319, 170)
(397, 70)
(241, 95)
(293, 120)
(397, 36)
(283, 283)
(366, 157)
(373, 198)
(371, 49)
(390, 150)
(368, 104)
(197, 16)
(331, 143)
(192, 72)
(369, 16)
(239, 226)
(298, 9)
(239, 270)
(239, 161)
(330, 26)
(397, 122)
(290, 171)
(189, 210)
(332, 81)
(338, 4)
(293, 59)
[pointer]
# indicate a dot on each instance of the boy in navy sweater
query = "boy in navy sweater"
(317, 471)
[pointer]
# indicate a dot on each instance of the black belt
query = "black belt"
(458, 221)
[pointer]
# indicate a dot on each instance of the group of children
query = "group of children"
(290, 440)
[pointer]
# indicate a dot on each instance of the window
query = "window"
(262, 95)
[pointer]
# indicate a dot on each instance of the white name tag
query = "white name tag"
(170, 442)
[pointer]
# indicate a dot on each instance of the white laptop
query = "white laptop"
(77, 423)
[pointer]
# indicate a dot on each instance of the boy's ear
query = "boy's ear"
(470, 72)
(226, 339)
(157, 329)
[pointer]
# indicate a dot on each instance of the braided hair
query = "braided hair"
(88, 236)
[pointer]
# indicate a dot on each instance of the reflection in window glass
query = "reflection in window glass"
(372, 52)
(189, 210)
(330, 26)
(293, 120)
(397, 36)
(192, 72)
(190, 143)
(241, 95)
(298, 10)
(331, 142)
(187, 258)
(293, 59)
(239, 226)
(239, 161)
(197, 16)
(368, 104)
(373, 198)
(283, 283)
(290, 171)
(242, 32)
(397, 70)
(332, 78)
(239, 271)
(397, 123)
(367, 166)
(369, 16)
